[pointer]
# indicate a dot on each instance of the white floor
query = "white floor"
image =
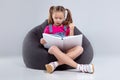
(13, 68)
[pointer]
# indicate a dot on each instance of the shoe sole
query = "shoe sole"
(92, 69)
(48, 68)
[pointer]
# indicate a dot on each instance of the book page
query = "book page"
(72, 41)
(52, 40)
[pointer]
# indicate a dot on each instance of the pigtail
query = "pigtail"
(50, 20)
(68, 17)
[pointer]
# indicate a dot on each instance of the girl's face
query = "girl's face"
(58, 18)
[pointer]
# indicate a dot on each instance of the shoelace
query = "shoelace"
(84, 68)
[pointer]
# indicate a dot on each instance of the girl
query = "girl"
(60, 23)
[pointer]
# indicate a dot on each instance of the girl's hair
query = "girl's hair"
(67, 14)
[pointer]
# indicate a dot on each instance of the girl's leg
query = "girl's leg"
(65, 59)
(53, 50)
(73, 53)
(62, 57)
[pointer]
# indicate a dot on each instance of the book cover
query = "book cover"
(64, 43)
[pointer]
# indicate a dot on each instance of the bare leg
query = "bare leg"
(68, 59)
(63, 58)
(73, 53)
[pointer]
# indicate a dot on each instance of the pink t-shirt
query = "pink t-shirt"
(56, 29)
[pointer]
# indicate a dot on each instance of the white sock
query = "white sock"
(78, 67)
(54, 64)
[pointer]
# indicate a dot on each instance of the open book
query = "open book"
(64, 43)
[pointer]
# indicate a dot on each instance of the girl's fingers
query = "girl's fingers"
(42, 41)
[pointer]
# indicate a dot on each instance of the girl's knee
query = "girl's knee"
(52, 49)
(80, 48)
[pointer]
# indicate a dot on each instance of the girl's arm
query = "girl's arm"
(71, 25)
(46, 30)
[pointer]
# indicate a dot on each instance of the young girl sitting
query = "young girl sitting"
(60, 23)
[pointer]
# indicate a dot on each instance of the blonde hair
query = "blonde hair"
(67, 14)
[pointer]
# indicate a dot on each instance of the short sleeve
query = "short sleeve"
(68, 31)
(46, 30)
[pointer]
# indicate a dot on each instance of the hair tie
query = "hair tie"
(66, 13)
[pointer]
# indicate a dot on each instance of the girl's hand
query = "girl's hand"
(42, 41)
(71, 25)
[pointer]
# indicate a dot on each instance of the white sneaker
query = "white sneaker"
(50, 67)
(87, 68)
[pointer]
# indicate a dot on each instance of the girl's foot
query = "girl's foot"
(51, 66)
(87, 68)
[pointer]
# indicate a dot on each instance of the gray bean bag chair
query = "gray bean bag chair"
(35, 56)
